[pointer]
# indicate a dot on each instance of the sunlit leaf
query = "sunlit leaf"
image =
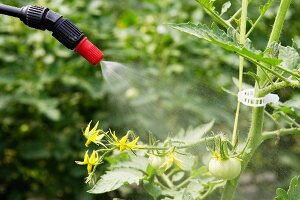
(263, 9)
(225, 40)
(154, 190)
(208, 6)
(136, 162)
(113, 180)
(194, 134)
(293, 192)
(225, 7)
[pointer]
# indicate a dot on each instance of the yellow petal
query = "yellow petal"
(178, 162)
(167, 164)
(80, 163)
(113, 134)
(94, 158)
(124, 139)
(95, 127)
(94, 136)
(99, 137)
(132, 144)
(85, 160)
(87, 129)
(87, 142)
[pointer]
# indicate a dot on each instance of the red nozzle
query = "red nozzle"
(89, 51)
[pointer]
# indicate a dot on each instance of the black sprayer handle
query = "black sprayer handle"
(63, 29)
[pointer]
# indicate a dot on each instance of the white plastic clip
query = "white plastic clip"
(247, 98)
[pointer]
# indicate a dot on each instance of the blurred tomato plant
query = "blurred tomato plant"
(171, 171)
(47, 95)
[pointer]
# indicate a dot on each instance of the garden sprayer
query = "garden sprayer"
(62, 29)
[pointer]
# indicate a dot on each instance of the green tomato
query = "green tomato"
(155, 161)
(226, 169)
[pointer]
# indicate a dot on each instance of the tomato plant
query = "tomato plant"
(181, 175)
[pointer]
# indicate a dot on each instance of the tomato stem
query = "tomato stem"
(255, 136)
(242, 39)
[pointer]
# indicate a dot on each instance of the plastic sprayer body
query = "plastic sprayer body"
(62, 29)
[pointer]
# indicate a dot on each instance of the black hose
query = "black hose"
(10, 10)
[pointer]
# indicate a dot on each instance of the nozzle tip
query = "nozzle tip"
(89, 51)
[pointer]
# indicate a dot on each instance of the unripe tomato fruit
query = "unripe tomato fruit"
(155, 161)
(226, 169)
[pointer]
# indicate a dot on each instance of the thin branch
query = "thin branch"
(273, 119)
(276, 86)
(242, 39)
(281, 132)
(270, 70)
(254, 25)
(234, 16)
(267, 75)
(289, 119)
(188, 145)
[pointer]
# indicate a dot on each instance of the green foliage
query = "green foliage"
(289, 55)
(112, 180)
(48, 94)
(227, 41)
(194, 134)
(225, 7)
(176, 176)
(293, 193)
(263, 9)
(208, 5)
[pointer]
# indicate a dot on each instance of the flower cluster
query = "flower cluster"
(108, 141)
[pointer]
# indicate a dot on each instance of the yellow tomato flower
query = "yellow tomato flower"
(171, 158)
(122, 144)
(93, 135)
(91, 161)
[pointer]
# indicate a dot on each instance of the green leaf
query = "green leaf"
(281, 194)
(46, 106)
(293, 192)
(157, 192)
(208, 6)
(116, 158)
(263, 9)
(225, 7)
(178, 176)
(225, 40)
(193, 189)
(289, 55)
(194, 134)
(154, 190)
(136, 162)
(187, 196)
(294, 189)
(229, 91)
(113, 180)
(4, 101)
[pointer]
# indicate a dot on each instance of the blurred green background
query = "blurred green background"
(48, 93)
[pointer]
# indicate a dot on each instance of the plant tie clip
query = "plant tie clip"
(247, 98)
(62, 29)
